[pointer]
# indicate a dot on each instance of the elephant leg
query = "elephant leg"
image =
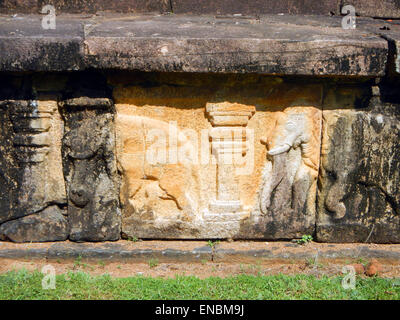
(176, 182)
(300, 190)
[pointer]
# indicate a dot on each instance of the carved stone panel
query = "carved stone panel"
(159, 196)
(222, 161)
(359, 193)
(286, 202)
(31, 159)
(90, 169)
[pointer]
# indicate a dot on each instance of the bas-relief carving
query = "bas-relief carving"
(292, 135)
(90, 170)
(155, 188)
(229, 142)
(359, 182)
(190, 201)
(288, 192)
(34, 158)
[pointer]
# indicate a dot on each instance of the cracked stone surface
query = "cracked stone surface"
(89, 167)
(47, 225)
(359, 195)
(319, 45)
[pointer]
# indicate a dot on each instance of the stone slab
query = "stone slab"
(196, 251)
(388, 30)
(324, 7)
(23, 250)
(208, 44)
(85, 6)
(26, 46)
(282, 251)
(268, 44)
(367, 8)
(374, 8)
(134, 252)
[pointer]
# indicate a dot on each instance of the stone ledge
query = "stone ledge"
(196, 251)
(369, 8)
(291, 45)
(390, 31)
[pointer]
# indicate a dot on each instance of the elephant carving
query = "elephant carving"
(155, 186)
(294, 152)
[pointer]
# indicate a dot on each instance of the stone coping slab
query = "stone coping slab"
(197, 251)
(369, 8)
(270, 44)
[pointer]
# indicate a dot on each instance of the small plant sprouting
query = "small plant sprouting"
(362, 261)
(153, 263)
(306, 238)
(309, 262)
(78, 261)
(212, 244)
(134, 239)
(312, 262)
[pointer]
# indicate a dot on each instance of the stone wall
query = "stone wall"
(100, 156)
(366, 8)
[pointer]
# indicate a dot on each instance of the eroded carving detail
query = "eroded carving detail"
(90, 169)
(359, 182)
(157, 187)
(37, 129)
(287, 195)
(293, 135)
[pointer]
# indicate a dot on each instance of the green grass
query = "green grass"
(78, 285)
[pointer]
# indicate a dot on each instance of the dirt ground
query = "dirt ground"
(202, 270)
(222, 265)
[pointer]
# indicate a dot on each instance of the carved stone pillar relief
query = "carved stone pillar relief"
(90, 169)
(228, 144)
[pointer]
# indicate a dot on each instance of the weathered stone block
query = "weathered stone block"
(182, 43)
(256, 7)
(90, 169)
(84, 6)
(359, 185)
(373, 8)
(47, 225)
(30, 161)
(267, 45)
